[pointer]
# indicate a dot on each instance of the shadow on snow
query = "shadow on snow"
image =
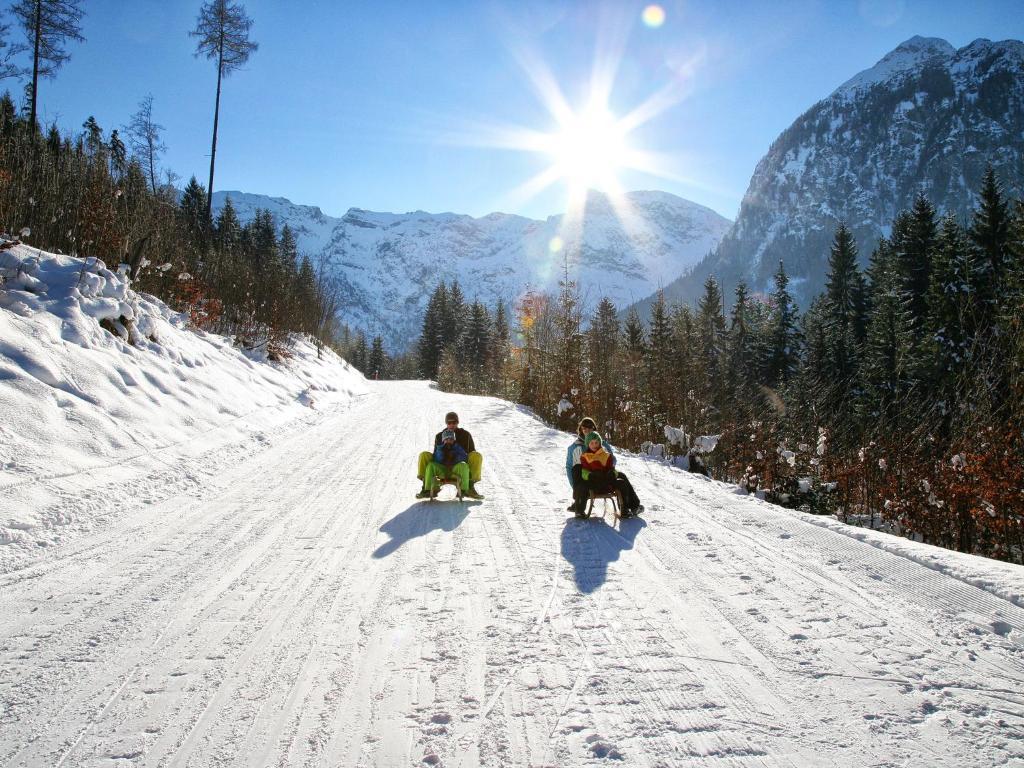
(591, 544)
(419, 519)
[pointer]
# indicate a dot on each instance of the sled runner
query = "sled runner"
(443, 481)
(615, 497)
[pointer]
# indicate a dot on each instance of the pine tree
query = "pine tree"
(228, 230)
(844, 316)
(377, 362)
(288, 248)
(602, 361)
(886, 364)
(432, 337)
(782, 338)
(500, 352)
(93, 136)
(636, 343)
(118, 155)
(712, 345)
(454, 319)
(223, 32)
(742, 362)
(360, 355)
(192, 208)
(953, 315)
(658, 364)
(48, 25)
(568, 345)
(477, 345)
(914, 239)
(989, 234)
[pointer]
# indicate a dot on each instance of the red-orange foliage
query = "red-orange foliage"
(970, 499)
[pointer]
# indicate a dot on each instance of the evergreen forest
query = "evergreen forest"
(896, 400)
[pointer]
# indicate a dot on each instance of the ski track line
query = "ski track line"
(582, 644)
(146, 452)
(967, 598)
(740, 630)
(698, 513)
(160, 481)
(113, 602)
(660, 692)
(367, 534)
(587, 657)
(292, 599)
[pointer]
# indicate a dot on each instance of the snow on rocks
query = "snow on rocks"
(101, 387)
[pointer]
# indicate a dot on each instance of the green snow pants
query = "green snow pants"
(434, 471)
(476, 464)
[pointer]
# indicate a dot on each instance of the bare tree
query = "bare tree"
(47, 25)
(328, 302)
(223, 32)
(7, 52)
(144, 138)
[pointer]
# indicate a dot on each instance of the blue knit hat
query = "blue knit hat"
(448, 434)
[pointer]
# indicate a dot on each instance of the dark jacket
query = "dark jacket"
(449, 455)
(462, 438)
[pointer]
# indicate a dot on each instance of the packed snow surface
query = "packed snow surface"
(274, 595)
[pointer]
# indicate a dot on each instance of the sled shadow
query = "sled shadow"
(419, 519)
(590, 545)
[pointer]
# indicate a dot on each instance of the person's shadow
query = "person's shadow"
(590, 544)
(419, 519)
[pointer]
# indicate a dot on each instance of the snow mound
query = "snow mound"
(102, 383)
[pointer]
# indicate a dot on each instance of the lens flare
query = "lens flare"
(653, 16)
(556, 244)
(589, 147)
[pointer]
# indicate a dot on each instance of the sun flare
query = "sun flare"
(589, 149)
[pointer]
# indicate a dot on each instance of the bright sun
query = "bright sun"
(589, 149)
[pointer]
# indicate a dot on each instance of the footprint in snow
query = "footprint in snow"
(1001, 628)
(602, 748)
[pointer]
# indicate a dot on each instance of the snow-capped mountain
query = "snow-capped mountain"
(927, 117)
(388, 264)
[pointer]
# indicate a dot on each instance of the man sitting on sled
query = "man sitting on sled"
(463, 439)
(447, 463)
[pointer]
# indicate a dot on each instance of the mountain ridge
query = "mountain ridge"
(926, 117)
(387, 264)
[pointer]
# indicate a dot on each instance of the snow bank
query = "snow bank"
(1004, 580)
(98, 382)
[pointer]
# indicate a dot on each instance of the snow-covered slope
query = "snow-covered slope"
(140, 407)
(389, 264)
(298, 607)
(206, 559)
(927, 117)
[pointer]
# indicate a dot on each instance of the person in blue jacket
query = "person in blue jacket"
(580, 487)
(450, 461)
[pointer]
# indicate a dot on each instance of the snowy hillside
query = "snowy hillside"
(109, 402)
(389, 264)
(210, 560)
(927, 118)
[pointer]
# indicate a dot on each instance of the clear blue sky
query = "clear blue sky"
(380, 105)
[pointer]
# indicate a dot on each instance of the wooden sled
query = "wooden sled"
(442, 482)
(612, 495)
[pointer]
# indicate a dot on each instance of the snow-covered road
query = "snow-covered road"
(299, 607)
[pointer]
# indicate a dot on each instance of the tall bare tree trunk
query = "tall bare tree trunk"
(35, 64)
(213, 148)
